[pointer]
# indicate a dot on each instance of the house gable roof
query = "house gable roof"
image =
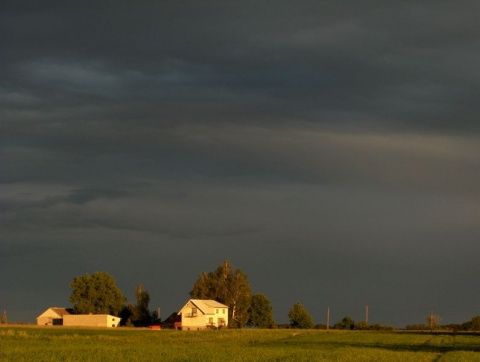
(206, 306)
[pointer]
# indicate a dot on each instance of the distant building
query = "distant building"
(173, 321)
(53, 316)
(64, 317)
(200, 314)
(91, 320)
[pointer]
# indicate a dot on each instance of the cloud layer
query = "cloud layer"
(329, 149)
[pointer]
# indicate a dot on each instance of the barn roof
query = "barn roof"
(61, 311)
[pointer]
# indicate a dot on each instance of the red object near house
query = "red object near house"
(155, 327)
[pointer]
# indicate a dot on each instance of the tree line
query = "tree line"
(433, 323)
(98, 294)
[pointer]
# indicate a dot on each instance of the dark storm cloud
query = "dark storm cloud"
(313, 143)
(408, 64)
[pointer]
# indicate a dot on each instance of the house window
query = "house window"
(217, 311)
(223, 311)
(194, 312)
(210, 321)
(221, 322)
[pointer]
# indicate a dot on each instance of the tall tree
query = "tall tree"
(261, 312)
(138, 314)
(299, 317)
(227, 286)
(144, 316)
(96, 293)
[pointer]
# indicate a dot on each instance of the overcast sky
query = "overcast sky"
(329, 149)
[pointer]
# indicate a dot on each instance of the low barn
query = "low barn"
(63, 317)
(91, 320)
(53, 316)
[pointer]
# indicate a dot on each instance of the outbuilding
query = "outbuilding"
(91, 320)
(53, 316)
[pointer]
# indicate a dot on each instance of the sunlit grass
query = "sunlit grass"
(123, 344)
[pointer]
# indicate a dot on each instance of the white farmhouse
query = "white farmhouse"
(200, 314)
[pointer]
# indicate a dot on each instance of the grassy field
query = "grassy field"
(19, 343)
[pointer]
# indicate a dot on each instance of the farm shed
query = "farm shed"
(53, 316)
(63, 317)
(91, 320)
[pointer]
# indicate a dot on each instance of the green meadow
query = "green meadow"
(25, 343)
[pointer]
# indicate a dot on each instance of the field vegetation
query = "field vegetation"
(24, 343)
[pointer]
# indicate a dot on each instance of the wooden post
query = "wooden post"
(366, 313)
(328, 318)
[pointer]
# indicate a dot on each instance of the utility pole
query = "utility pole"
(366, 313)
(328, 318)
(5, 317)
(431, 320)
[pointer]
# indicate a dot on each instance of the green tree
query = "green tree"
(127, 315)
(362, 325)
(261, 312)
(472, 325)
(97, 294)
(138, 314)
(143, 315)
(227, 286)
(299, 317)
(345, 323)
(475, 323)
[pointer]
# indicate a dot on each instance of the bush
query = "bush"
(299, 317)
(345, 323)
